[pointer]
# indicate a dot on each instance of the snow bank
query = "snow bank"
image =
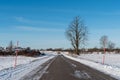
(111, 66)
(9, 61)
(6, 62)
(24, 66)
(110, 59)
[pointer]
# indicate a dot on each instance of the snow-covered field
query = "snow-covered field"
(110, 59)
(24, 65)
(111, 65)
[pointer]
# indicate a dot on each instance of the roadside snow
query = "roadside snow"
(24, 65)
(111, 59)
(8, 61)
(111, 66)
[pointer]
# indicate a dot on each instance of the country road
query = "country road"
(62, 68)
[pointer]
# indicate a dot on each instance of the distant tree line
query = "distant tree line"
(34, 53)
(85, 51)
(24, 52)
(13, 50)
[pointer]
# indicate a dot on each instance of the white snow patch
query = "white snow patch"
(81, 75)
(77, 74)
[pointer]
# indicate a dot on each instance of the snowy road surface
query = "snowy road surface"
(62, 68)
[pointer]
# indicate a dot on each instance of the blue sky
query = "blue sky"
(42, 23)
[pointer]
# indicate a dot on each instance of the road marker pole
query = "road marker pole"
(16, 55)
(104, 56)
(104, 51)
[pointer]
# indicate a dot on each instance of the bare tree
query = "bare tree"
(104, 41)
(111, 45)
(77, 33)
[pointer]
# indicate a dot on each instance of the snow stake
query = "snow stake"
(105, 42)
(16, 55)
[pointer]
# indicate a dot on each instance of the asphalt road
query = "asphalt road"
(61, 68)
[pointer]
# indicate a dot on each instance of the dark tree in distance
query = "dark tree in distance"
(104, 41)
(10, 47)
(111, 45)
(77, 33)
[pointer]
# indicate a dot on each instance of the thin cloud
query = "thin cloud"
(38, 29)
(22, 19)
(106, 13)
(19, 18)
(29, 21)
